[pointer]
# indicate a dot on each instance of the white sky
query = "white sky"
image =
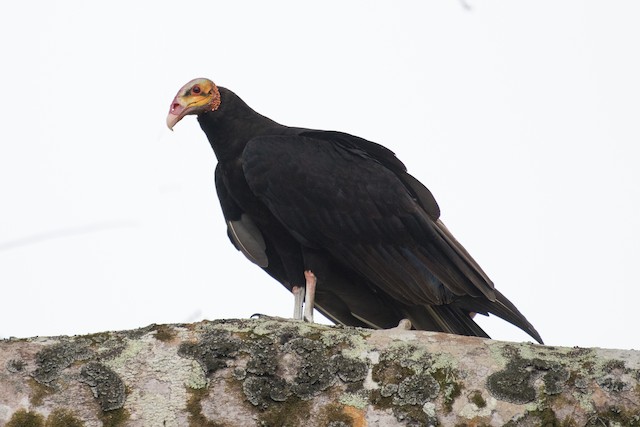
(521, 117)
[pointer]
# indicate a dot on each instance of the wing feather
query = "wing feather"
(311, 185)
(249, 240)
(242, 231)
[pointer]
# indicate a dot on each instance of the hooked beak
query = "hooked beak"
(176, 112)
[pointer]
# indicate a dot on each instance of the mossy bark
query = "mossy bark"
(274, 372)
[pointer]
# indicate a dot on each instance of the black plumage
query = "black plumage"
(346, 209)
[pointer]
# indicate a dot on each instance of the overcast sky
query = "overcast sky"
(521, 117)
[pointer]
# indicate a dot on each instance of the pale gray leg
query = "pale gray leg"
(298, 298)
(310, 295)
(404, 325)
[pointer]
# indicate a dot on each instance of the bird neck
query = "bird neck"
(230, 127)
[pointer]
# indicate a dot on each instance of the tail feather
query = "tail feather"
(444, 318)
(502, 308)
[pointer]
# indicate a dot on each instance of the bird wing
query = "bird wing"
(241, 229)
(335, 302)
(387, 158)
(422, 194)
(337, 193)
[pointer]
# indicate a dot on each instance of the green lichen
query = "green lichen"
(612, 376)
(414, 416)
(560, 368)
(105, 384)
(212, 351)
(539, 417)
(63, 418)
(568, 422)
(476, 398)
(502, 353)
(584, 400)
(16, 365)
(514, 383)
(164, 333)
(612, 365)
(612, 384)
(57, 418)
(196, 378)
(23, 418)
(99, 337)
(451, 390)
(264, 357)
(292, 413)
(125, 351)
(444, 371)
(416, 390)
(227, 324)
(397, 362)
(315, 372)
(136, 334)
(409, 378)
(615, 416)
(357, 400)
(194, 408)
(386, 372)
(52, 360)
(263, 391)
(38, 392)
(410, 356)
(351, 342)
(115, 418)
(260, 380)
(265, 327)
(350, 370)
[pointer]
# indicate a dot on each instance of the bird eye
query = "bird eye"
(196, 89)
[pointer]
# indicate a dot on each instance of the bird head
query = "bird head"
(197, 96)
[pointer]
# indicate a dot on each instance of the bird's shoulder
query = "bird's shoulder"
(321, 152)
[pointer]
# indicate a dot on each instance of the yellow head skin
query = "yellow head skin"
(197, 96)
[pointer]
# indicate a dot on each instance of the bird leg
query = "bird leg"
(404, 325)
(298, 298)
(310, 295)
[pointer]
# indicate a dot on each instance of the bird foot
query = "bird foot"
(404, 325)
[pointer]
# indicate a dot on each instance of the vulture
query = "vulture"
(339, 222)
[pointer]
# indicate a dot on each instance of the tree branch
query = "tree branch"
(274, 372)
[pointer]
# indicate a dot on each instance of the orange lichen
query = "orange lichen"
(356, 415)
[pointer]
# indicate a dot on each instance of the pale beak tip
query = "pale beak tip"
(171, 121)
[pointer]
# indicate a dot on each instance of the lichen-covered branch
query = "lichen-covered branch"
(274, 372)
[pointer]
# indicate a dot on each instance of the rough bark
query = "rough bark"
(274, 372)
